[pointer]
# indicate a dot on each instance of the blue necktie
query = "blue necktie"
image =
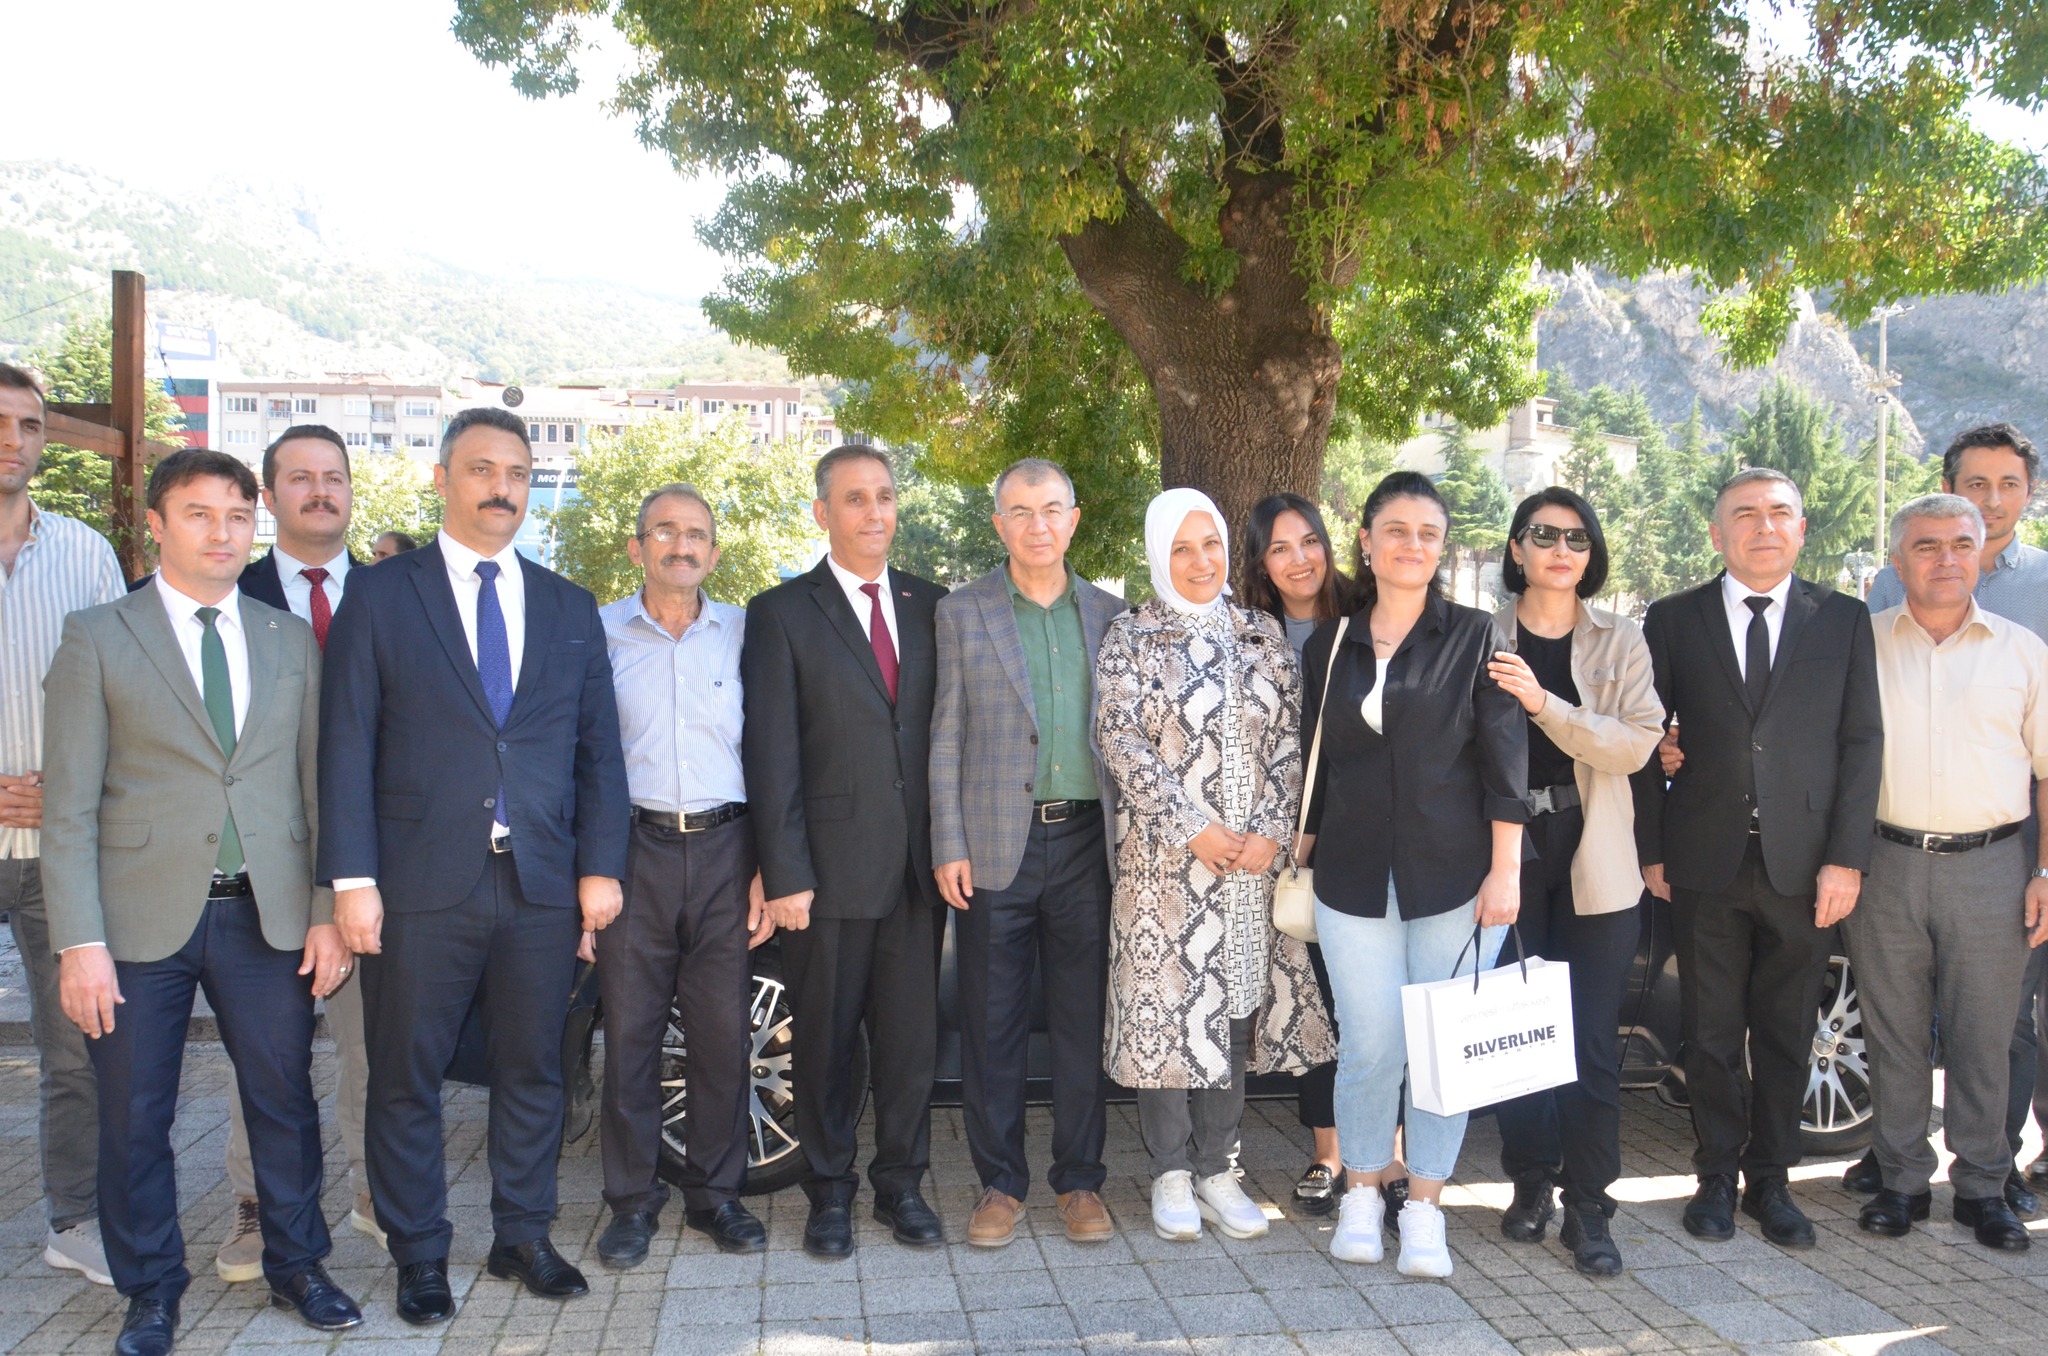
(493, 657)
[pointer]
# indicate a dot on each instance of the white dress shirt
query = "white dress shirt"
(862, 608)
(191, 634)
(298, 590)
(1735, 599)
(466, 582)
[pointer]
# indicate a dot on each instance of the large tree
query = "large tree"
(1202, 232)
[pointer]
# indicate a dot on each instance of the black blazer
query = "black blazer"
(410, 757)
(261, 581)
(1416, 803)
(1811, 757)
(837, 777)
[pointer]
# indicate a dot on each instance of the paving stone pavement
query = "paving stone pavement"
(1851, 1296)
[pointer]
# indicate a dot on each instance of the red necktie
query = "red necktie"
(878, 636)
(322, 613)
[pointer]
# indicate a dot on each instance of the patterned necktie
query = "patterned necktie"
(219, 695)
(1756, 662)
(493, 657)
(322, 612)
(878, 637)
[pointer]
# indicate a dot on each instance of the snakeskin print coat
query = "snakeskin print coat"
(1199, 720)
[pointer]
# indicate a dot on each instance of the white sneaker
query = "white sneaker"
(79, 1249)
(363, 1219)
(1223, 1203)
(1423, 1250)
(1361, 1217)
(1174, 1216)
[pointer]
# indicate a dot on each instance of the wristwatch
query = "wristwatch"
(2041, 873)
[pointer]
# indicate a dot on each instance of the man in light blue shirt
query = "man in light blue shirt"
(1994, 467)
(693, 893)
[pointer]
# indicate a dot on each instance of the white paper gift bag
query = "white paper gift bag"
(1474, 1040)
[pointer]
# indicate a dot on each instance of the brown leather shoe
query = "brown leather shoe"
(1086, 1217)
(994, 1222)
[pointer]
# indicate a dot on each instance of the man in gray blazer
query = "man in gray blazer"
(1022, 843)
(178, 812)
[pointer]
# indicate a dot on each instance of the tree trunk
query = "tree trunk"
(1246, 381)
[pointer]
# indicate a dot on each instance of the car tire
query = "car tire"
(775, 1156)
(1835, 1121)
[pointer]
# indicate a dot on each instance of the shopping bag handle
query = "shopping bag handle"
(1476, 948)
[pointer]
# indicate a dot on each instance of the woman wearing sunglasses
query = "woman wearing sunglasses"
(1583, 676)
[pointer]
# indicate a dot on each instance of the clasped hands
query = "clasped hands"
(1224, 850)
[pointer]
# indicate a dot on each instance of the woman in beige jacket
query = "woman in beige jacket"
(1583, 675)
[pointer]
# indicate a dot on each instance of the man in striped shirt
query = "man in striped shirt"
(50, 566)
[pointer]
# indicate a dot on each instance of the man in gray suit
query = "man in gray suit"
(1021, 839)
(178, 810)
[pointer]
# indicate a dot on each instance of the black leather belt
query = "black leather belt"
(1944, 842)
(1060, 811)
(695, 822)
(1544, 799)
(231, 887)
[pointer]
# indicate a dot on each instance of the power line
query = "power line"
(48, 305)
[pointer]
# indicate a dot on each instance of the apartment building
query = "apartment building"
(560, 420)
(372, 414)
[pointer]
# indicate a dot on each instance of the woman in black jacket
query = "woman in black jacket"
(1418, 809)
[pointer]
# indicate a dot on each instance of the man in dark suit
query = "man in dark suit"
(473, 802)
(838, 668)
(181, 735)
(1760, 839)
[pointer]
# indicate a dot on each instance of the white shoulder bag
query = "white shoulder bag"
(1294, 894)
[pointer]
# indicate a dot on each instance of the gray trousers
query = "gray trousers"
(68, 1105)
(352, 1085)
(1941, 937)
(1195, 1129)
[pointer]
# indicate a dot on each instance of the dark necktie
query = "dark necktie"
(219, 695)
(1756, 661)
(493, 657)
(878, 637)
(322, 613)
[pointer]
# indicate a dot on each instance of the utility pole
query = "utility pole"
(1885, 382)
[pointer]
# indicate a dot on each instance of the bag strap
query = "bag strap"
(1521, 954)
(1315, 748)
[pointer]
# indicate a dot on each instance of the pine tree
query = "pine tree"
(79, 367)
(1477, 498)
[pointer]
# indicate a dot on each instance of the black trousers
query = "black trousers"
(682, 939)
(1750, 966)
(2025, 1094)
(518, 959)
(1315, 1092)
(1572, 1134)
(882, 973)
(265, 1011)
(1053, 918)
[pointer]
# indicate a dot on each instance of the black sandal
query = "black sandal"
(1316, 1192)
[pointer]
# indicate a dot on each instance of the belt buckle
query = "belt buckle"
(1540, 801)
(1064, 809)
(683, 818)
(502, 845)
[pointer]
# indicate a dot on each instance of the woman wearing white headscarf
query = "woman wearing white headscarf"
(1198, 721)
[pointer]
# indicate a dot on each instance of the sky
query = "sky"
(376, 111)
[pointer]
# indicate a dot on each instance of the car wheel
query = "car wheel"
(774, 1154)
(1835, 1121)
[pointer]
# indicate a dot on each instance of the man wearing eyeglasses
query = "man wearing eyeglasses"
(693, 895)
(1021, 834)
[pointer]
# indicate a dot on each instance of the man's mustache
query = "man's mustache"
(688, 560)
(498, 502)
(320, 506)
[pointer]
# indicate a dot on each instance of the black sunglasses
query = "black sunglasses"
(1544, 535)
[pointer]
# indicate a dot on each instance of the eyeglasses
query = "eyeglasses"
(1053, 514)
(1544, 535)
(669, 536)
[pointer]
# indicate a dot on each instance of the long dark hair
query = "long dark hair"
(1397, 485)
(1512, 577)
(1255, 587)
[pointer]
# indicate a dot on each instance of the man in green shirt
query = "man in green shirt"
(1023, 849)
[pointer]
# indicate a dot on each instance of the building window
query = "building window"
(359, 408)
(419, 440)
(419, 409)
(280, 409)
(240, 436)
(714, 407)
(357, 439)
(240, 404)
(554, 432)
(533, 433)
(306, 405)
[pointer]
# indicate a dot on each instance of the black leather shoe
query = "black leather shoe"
(1994, 1222)
(1710, 1214)
(150, 1328)
(1393, 1195)
(624, 1241)
(911, 1222)
(731, 1226)
(423, 1294)
(1863, 1177)
(1784, 1223)
(1584, 1230)
(828, 1233)
(539, 1268)
(1534, 1206)
(1890, 1214)
(2022, 1201)
(1316, 1192)
(2037, 1172)
(321, 1303)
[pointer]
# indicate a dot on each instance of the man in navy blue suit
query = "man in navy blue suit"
(473, 822)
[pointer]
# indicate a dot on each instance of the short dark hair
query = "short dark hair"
(406, 541)
(1512, 577)
(1255, 585)
(21, 379)
(487, 416)
(1990, 435)
(849, 452)
(197, 463)
(1396, 485)
(1750, 475)
(320, 431)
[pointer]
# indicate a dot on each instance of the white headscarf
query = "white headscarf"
(1163, 519)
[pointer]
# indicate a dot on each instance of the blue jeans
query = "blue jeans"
(1370, 959)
